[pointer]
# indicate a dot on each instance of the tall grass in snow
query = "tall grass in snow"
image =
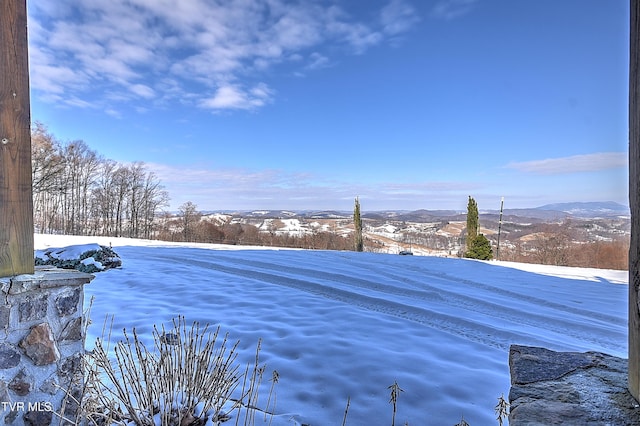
(189, 377)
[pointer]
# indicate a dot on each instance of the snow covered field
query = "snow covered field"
(340, 324)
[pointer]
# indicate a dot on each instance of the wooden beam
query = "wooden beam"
(634, 200)
(16, 200)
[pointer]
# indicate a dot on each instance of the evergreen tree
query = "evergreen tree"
(472, 221)
(357, 223)
(479, 248)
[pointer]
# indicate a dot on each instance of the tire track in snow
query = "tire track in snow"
(570, 327)
(456, 325)
(436, 294)
(537, 301)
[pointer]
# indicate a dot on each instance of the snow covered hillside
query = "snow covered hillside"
(344, 324)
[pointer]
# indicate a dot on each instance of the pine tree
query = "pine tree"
(357, 223)
(479, 248)
(472, 221)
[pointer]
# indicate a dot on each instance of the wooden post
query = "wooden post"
(634, 200)
(16, 200)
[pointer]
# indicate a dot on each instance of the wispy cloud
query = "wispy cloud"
(316, 61)
(451, 9)
(398, 17)
(212, 53)
(235, 97)
(211, 188)
(573, 164)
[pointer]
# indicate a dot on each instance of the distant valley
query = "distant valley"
(575, 234)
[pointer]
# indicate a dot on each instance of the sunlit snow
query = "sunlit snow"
(343, 324)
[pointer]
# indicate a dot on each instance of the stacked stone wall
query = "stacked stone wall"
(42, 334)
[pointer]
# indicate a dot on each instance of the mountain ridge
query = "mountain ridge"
(555, 211)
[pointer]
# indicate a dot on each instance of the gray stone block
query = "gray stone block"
(41, 417)
(33, 308)
(569, 388)
(67, 303)
(21, 384)
(72, 331)
(9, 356)
(5, 315)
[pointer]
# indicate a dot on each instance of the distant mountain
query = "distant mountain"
(548, 212)
(589, 210)
(560, 211)
(422, 216)
(533, 214)
(266, 214)
(326, 214)
(430, 215)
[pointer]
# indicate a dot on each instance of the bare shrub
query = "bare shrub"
(189, 377)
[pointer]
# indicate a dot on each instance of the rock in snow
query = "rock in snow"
(88, 258)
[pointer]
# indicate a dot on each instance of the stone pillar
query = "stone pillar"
(41, 344)
(634, 201)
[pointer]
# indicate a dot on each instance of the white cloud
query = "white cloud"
(231, 96)
(451, 9)
(573, 164)
(142, 91)
(317, 60)
(135, 46)
(398, 17)
(113, 113)
(75, 102)
(55, 80)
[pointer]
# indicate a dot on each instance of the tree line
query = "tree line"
(193, 226)
(77, 191)
(564, 244)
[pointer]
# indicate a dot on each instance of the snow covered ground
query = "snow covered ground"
(342, 324)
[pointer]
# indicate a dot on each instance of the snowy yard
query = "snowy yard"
(344, 324)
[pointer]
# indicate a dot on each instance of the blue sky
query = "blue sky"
(408, 104)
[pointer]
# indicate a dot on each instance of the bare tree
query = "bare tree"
(552, 245)
(47, 165)
(154, 198)
(46, 161)
(135, 197)
(104, 200)
(77, 191)
(190, 218)
(80, 172)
